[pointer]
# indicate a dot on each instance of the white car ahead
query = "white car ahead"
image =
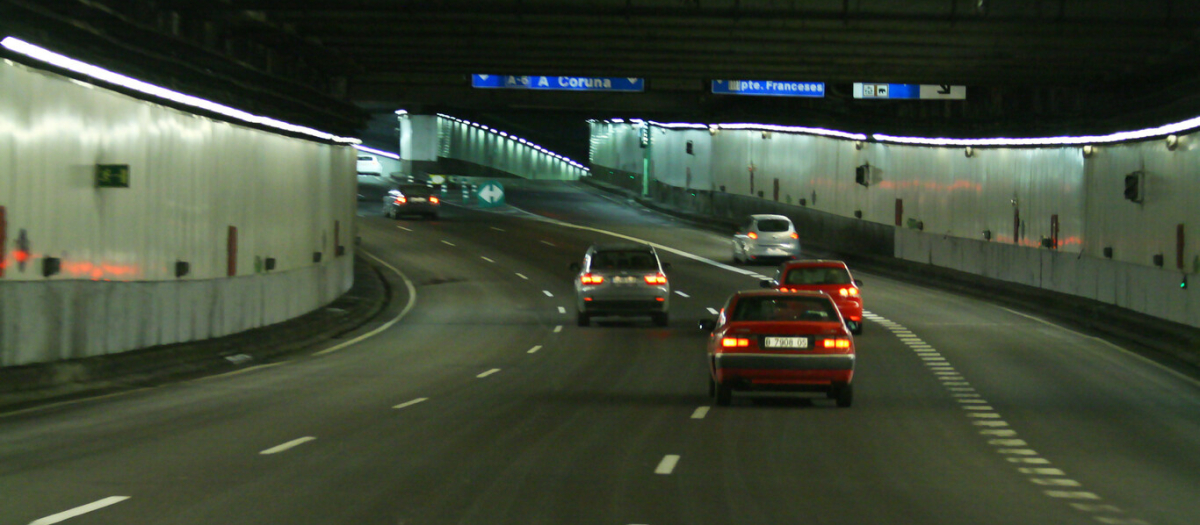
(766, 237)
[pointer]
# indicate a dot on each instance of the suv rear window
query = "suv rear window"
(773, 225)
(624, 260)
(784, 309)
(415, 190)
(817, 275)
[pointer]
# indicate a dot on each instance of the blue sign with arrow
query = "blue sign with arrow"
(626, 84)
(771, 88)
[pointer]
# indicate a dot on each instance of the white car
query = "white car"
(369, 165)
(766, 237)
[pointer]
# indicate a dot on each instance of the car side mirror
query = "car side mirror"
(766, 283)
(857, 282)
(575, 267)
(666, 266)
(708, 325)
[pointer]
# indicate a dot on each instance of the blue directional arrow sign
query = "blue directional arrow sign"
(910, 91)
(627, 84)
(771, 88)
(491, 194)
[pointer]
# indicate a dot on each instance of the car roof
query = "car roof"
(815, 263)
(779, 293)
(614, 246)
(759, 217)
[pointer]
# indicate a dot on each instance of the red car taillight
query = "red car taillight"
(434, 200)
(752, 235)
(848, 292)
(588, 278)
(731, 342)
(401, 200)
(839, 343)
(656, 279)
(795, 235)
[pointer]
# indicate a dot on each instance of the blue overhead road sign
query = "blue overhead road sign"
(773, 88)
(558, 83)
(909, 91)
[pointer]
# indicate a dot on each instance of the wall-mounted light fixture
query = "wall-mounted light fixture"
(987, 235)
(1088, 150)
(1172, 142)
(969, 152)
(858, 144)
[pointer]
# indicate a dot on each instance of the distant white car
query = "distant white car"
(369, 165)
(766, 237)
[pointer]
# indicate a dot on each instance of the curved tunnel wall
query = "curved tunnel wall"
(941, 201)
(462, 141)
(191, 180)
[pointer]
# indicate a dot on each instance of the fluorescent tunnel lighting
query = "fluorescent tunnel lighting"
(17, 45)
(380, 152)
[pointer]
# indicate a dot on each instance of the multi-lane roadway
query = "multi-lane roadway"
(477, 400)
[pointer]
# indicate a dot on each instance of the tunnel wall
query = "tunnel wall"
(948, 201)
(464, 142)
(191, 179)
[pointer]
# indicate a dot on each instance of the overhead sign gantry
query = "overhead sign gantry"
(626, 84)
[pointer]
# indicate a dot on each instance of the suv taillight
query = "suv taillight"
(434, 200)
(658, 278)
(401, 199)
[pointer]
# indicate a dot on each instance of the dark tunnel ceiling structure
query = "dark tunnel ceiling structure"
(1032, 67)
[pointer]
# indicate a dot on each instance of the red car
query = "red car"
(776, 340)
(831, 277)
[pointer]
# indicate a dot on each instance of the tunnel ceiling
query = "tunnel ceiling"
(1031, 66)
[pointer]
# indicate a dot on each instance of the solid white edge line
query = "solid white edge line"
(290, 444)
(1145, 359)
(411, 403)
(488, 373)
(700, 412)
(82, 509)
(667, 465)
(412, 301)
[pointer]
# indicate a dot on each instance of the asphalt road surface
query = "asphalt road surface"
(486, 404)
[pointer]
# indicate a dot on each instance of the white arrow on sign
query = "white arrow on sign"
(632, 80)
(484, 77)
(491, 193)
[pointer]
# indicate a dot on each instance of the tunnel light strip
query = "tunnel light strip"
(380, 152)
(527, 143)
(22, 47)
(1123, 136)
(795, 129)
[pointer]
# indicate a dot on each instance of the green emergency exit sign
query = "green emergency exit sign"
(112, 175)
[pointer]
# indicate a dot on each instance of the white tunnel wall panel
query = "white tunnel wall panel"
(191, 178)
(1014, 194)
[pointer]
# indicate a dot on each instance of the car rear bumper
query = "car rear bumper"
(624, 306)
(415, 209)
(744, 378)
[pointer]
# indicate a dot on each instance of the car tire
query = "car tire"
(845, 395)
(662, 319)
(582, 319)
(724, 395)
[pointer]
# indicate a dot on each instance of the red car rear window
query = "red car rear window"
(795, 308)
(817, 275)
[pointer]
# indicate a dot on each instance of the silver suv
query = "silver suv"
(622, 280)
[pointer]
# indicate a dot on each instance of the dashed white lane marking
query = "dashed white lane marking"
(534, 349)
(488, 373)
(991, 423)
(562, 310)
(486, 259)
(1096, 507)
(448, 243)
(411, 403)
(1071, 494)
(403, 228)
(558, 328)
(1008, 442)
(80, 510)
(547, 243)
(1018, 451)
(290, 444)
(713, 311)
(1031, 461)
(700, 413)
(547, 292)
(667, 465)
(1001, 432)
(412, 301)
(681, 294)
(1120, 521)
(1056, 482)
(1041, 471)
(521, 275)
(497, 229)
